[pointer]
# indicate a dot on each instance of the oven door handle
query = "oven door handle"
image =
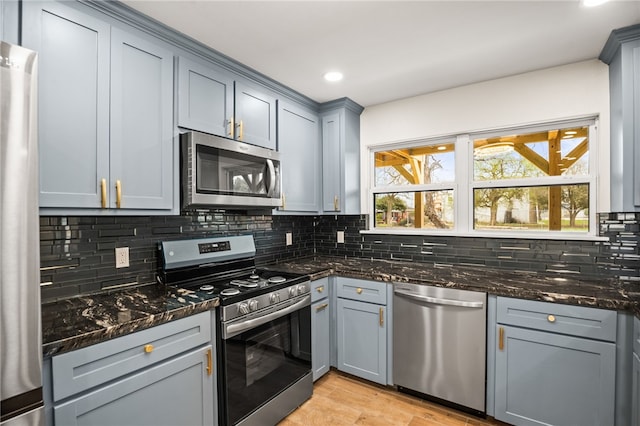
(234, 329)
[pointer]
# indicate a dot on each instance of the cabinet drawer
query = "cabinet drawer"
(565, 319)
(636, 335)
(76, 371)
(362, 290)
(319, 289)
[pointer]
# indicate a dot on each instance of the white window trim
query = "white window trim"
(463, 199)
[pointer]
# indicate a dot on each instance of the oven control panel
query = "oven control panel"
(214, 247)
(263, 301)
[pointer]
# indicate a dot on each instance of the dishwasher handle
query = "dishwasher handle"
(438, 300)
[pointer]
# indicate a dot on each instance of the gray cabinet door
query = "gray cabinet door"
(177, 392)
(362, 340)
(205, 98)
(255, 116)
(332, 163)
(320, 354)
(550, 379)
(73, 102)
(635, 413)
(299, 146)
(141, 123)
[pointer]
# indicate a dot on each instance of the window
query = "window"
(531, 180)
(415, 187)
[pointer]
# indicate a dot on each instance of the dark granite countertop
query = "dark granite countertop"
(76, 323)
(83, 321)
(606, 293)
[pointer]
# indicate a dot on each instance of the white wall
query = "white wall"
(570, 91)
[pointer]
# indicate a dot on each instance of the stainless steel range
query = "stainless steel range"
(263, 329)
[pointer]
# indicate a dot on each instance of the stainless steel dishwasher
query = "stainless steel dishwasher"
(439, 343)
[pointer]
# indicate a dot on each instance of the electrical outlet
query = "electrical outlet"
(289, 238)
(122, 257)
(340, 237)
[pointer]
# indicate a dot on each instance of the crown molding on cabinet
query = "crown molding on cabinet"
(616, 38)
(341, 103)
(127, 15)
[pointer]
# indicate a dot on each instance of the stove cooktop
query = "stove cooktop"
(235, 288)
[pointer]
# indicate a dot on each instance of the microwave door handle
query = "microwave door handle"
(270, 187)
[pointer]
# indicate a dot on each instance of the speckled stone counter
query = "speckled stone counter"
(606, 294)
(83, 321)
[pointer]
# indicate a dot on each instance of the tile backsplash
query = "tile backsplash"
(78, 256)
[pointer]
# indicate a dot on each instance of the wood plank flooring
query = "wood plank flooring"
(339, 399)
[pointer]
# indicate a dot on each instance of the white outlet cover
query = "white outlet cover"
(340, 237)
(122, 257)
(289, 238)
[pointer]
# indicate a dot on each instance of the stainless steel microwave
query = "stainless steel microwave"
(219, 172)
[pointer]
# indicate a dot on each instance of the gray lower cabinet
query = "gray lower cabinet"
(320, 328)
(105, 113)
(300, 147)
(176, 392)
(163, 375)
(362, 328)
(554, 364)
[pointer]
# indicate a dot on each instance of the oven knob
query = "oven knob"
(253, 305)
(274, 298)
(243, 307)
(302, 289)
(293, 291)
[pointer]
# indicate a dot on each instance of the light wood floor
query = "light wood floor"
(339, 399)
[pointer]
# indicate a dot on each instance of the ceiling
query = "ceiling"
(391, 50)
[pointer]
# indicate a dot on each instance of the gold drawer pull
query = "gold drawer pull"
(322, 307)
(551, 318)
(320, 289)
(336, 203)
(148, 349)
(231, 127)
(501, 338)
(359, 290)
(381, 317)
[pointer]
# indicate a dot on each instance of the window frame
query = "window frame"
(464, 185)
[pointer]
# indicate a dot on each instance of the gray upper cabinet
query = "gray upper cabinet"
(299, 141)
(622, 53)
(205, 98)
(213, 100)
(105, 114)
(341, 156)
(141, 156)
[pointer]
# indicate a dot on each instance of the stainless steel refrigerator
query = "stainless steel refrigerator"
(20, 329)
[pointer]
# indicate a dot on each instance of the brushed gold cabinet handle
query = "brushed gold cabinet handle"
(118, 194)
(103, 189)
(241, 125)
(231, 127)
(501, 338)
(321, 307)
(320, 289)
(551, 318)
(381, 317)
(336, 203)
(359, 290)
(148, 349)
(284, 201)
(209, 362)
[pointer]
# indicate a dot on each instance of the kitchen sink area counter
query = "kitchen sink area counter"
(80, 322)
(604, 293)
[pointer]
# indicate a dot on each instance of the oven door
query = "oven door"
(261, 362)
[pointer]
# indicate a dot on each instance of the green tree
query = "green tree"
(388, 203)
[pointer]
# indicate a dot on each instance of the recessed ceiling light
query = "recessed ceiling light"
(442, 148)
(333, 76)
(592, 3)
